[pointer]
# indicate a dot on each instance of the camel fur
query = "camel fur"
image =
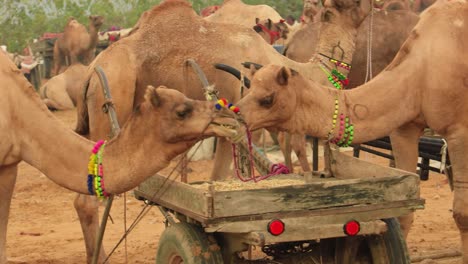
(76, 44)
(61, 92)
(410, 94)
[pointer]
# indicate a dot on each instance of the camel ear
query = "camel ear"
(283, 76)
(152, 96)
(269, 24)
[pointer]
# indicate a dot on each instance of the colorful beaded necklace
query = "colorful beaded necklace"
(96, 172)
(346, 133)
(338, 63)
(338, 79)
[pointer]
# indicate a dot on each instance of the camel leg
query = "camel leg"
(284, 140)
(7, 184)
(223, 160)
(87, 208)
(405, 142)
(458, 148)
(298, 143)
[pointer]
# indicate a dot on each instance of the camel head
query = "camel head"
(96, 21)
(209, 10)
(346, 12)
(271, 31)
(272, 99)
(311, 9)
(178, 119)
(113, 37)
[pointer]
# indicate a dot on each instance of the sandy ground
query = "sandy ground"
(44, 227)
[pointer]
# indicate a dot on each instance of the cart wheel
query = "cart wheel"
(387, 248)
(188, 244)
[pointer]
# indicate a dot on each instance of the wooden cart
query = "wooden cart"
(344, 214)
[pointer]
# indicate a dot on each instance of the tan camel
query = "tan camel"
(410, 94)
(77, 44)
(310, 11)
(165, 124)
(61, 92)
(155, 53)
(239, 13)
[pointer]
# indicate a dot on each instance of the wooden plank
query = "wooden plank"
(307, 232)
(347, 167)
(176, 195)
(316, 195)
(318, 217)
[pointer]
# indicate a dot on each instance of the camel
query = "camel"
(310, 11)
(271, 31)
(155, 53)
(209, 10)
(410, 94)
(165, 124)
(61, 92)
(237, 12)
(390, 30)
(276, 32)
(421, 5)
(76, 44)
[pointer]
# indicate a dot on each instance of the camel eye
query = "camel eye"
(185, 112)
(266, 101)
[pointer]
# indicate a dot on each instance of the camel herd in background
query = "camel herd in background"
(371, 36)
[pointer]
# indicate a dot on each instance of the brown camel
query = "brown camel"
(61, 92)
(155, 53)
(421, 5)
(389, 31)
(410, 94)
(77, 44)
(271, 31)
(165, 124)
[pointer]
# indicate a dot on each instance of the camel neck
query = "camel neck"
(336, 43)
(131, 157)
(93, 36)
(46, 144)
(63, 156)
(375, 109)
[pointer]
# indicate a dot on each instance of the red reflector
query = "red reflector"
(352, 228)
(276, 227)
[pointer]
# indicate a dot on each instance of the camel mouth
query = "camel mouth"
(226, 127)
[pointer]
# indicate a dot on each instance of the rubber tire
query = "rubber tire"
(190, 243)
(395, 243)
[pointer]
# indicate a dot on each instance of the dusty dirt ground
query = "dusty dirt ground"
(44, 227)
